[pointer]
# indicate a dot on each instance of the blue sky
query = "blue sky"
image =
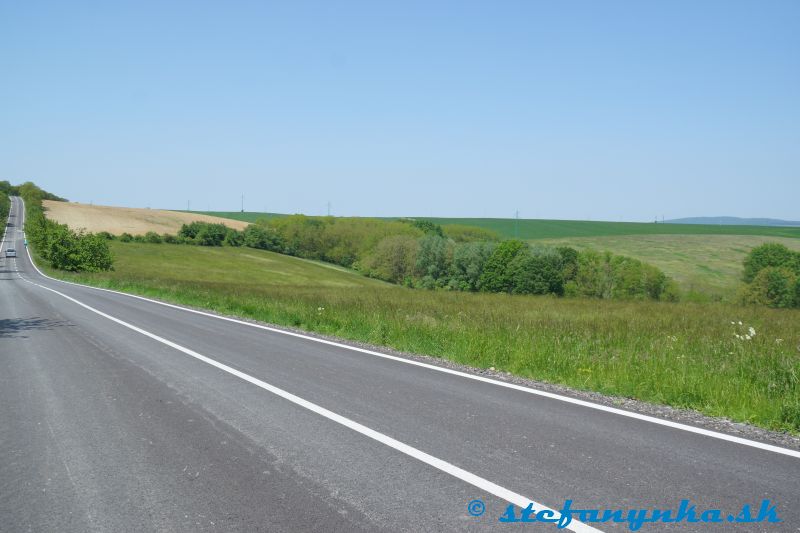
(573, 110)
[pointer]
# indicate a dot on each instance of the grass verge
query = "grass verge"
(682, 354)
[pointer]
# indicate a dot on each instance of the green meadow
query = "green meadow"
(681, 354)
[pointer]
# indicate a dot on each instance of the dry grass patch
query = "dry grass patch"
(118, 220)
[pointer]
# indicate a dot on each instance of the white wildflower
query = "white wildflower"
(740, 322)
(752, 331)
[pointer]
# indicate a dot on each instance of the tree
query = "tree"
(773, 286)
(433, 260)
(262, 237)
(393, 259)
(496, 276)
(770, 254)
(537, 271)
(468, 262)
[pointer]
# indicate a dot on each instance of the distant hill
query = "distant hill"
(734, 221)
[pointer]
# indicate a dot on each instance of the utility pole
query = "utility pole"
(242, 202)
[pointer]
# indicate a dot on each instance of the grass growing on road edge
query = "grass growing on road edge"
(680, 354)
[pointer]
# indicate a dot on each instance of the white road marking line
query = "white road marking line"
(440, 464)
(529, 390)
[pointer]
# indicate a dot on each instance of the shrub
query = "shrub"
(93, 253)
(770, 254)
(153, 238)
(169, 238)
(773, 286)
(233, 238)
(211, 235)
(263, 238)
(126, 237)
(106, 235)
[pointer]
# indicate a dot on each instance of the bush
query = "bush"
(428, 227)
(770, 254)
(106, 235)
(126, 237)
(233, 238)
(153, 238)
(774, 287)
(169, 238)
(93, 253)
(604, 275)
(263, 238)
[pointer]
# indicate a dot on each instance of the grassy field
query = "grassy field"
(117, 220)
(682, 354)
(705, 265)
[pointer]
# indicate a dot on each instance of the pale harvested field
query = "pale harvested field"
(118, 220)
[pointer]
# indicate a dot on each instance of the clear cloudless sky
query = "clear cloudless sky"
(561, 109)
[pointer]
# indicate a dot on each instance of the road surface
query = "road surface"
(121, 414)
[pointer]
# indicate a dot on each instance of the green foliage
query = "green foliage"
(537, 271)
(63, 248)
(569, 262)
(262, 237)
(106, 235)
(126, 237)
(153, 238)
(394, 259)
(496, 276)
(5, 204)
(434, 257)
(609, 276)
(428, 228)
(469, 259)
(461, 233)
(770, 254)
(774, 287)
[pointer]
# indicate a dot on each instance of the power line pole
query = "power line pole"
(242, 202)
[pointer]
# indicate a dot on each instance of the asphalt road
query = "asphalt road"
(119, 414)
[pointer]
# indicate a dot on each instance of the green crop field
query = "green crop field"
(681, 354)
(558, 229)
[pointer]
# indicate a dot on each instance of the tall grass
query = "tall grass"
(680, 354)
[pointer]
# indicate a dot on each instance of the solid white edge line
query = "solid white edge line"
(459, 473)
(529, 390)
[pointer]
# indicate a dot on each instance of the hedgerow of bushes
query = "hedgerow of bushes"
(56, 243)
(772, 276)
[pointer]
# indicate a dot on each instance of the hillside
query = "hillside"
(117, 220)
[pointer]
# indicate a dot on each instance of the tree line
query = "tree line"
(421, 254)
